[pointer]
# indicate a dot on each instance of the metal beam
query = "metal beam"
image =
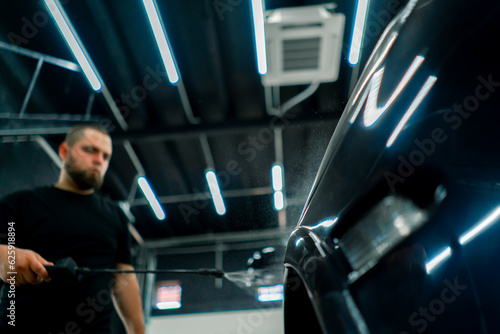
(207, 153)
(69, 65)
(224, 238)
(186, 106)
(33, 81)
(227, 128)
(73, 67)
(51, 117)
(207, 195)
(35, 131)
(134, 158)
(49, 151)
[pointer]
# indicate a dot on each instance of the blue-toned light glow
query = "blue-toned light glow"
(358, 31)
(168, 305)
(414, 105)
(277, 176)
(279, 202)
(74, 42)
(373, 111)
(438, 260)
(480, 227)
(161, 40)
(213, 185)
(270, 293)
(260, 38)
(150, 196)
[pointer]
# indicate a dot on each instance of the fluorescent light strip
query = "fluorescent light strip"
(438, 260)
(373, 111)
(269, 249)
(260, 38)
(161, 40)
(213, 185)
(414, 105)
(277, 175)
(168, 305)
(279, 202)
(270, 298)
(479, 228)
(74, 42)
(270, 293)
(359, 28)
(150, 196)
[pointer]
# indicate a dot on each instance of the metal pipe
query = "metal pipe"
(31, 86)
(185, 102)
(37, 55)
(49, 151)
(207, 153)
(193, 197)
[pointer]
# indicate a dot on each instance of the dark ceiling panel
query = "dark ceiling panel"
(215, 52)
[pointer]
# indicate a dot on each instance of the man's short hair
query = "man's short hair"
(76, 132)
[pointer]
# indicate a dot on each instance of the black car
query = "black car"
(401, 232)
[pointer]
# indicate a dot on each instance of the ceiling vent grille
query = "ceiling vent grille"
(303, 44)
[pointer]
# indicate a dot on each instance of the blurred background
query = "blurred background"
(220, 110)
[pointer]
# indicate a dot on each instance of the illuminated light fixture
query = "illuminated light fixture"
(438, 260)
(260, 38)
(168, 305)
(161, 40)
(414, 105)
(373, 112)
(74, 42)
(213, 185)
(480, 227)
(279, 202)
(269, 249)
(277, 174)
(358, 31)
(270, 293)
(168, 295)
(277, 179)
(150, 196)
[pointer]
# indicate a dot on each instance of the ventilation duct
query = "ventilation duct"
(304, 44)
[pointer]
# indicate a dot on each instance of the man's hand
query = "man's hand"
(28, 266)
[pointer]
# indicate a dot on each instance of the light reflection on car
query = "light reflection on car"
(400, 232)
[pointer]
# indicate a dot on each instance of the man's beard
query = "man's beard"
(84, 179)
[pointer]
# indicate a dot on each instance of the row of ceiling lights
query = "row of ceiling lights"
(213, 185)
(69, 33)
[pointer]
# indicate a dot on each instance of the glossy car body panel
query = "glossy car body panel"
(422, 124)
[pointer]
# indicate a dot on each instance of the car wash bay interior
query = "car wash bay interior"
(220, 113)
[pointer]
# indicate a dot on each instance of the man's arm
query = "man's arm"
(28, 265)
(128, 300)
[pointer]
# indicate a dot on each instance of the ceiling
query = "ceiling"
(216, 115)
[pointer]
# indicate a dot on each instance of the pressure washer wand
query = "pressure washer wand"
(67, 268)
(203, 271)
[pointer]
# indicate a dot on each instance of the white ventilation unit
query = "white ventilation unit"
(303, 44)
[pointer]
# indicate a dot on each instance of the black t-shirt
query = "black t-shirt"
(58, 224)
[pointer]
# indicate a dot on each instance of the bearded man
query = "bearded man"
(68, 219)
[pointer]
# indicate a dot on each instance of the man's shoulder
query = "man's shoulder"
(26, 194)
